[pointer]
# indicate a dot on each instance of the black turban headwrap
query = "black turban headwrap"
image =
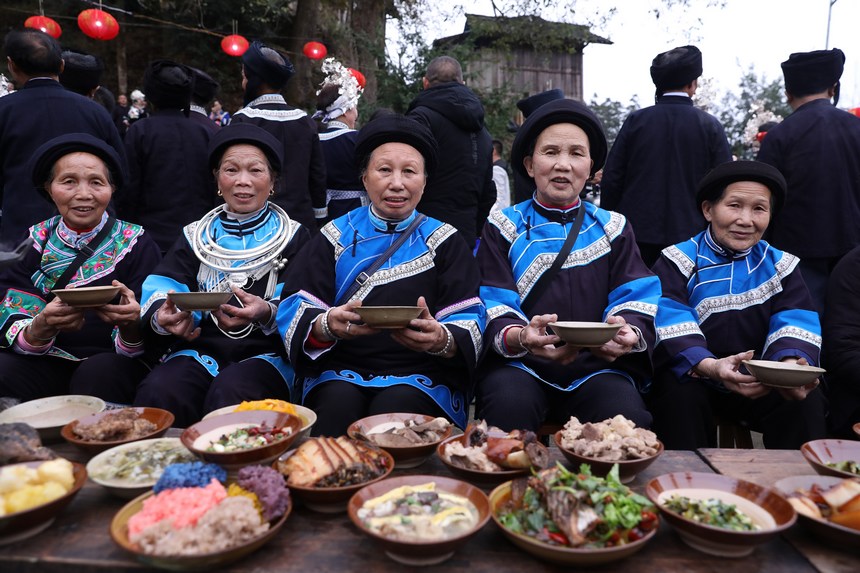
(530, 104)
(713, 184)
(261, 70)
(82, 73)
(559, 111)
(53, 150)
(809, 73)
(238, 133)
(205, 87)
(676, 68)
(395, 128)
(168, 84)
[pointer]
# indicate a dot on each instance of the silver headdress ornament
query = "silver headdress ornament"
(5, 86)
(348, 89)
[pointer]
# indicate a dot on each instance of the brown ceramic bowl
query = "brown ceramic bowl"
(388, 316)
(627, 469)
(569, 556)
(819, 453)
(485, 480)
(418, 553)
(783, 374)
(585, 334)
(233, 461)
(856, 428)
(162, 419)
(23, 524)
(208, 561)
(831, 533)
(331, 499)
(406, 456)
(87, 297)
(196, 301)
(764, 506)
(307, 416)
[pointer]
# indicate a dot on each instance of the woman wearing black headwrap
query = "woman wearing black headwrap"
(345, 369)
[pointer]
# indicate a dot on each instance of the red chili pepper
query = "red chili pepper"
(559, 538)
(614, 538)
(649, 521)
(635, 534)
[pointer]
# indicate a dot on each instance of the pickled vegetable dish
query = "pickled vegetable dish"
(714, 512)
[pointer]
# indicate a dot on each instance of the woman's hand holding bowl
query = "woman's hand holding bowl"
(426, 334)
(622, 343)
(56, 317)
(534, 339)
(343, 323)
(800, 392)
(177, 322)
(125, 315)
(727, 371)
(253, 310)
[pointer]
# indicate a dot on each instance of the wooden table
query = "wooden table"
(766, 467)
(310, 542)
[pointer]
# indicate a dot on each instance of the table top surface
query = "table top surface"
(79, 540)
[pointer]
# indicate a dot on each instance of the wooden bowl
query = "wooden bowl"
(208, 561)
(87, 297)
(819, 453)
(387, 316)
(831, 533)
(49, 415)
(131, 487)
(569, 556)
(585, 334)
(23, 524)
(783, 374)
(162, 419)
(233, 461)
(764, 506)
(405, 457)
(195, 301)
(307, 416)
(420, 553)
(485, 480)
(627, 469)
(331, 499)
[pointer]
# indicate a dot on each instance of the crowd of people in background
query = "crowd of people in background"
(701, 261)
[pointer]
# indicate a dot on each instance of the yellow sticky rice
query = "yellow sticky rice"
(22, 487)
(267, 404)
(236, 490)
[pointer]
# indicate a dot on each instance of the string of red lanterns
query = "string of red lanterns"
(234, 45)
(98, 24)
(315, 50)
(45, 24)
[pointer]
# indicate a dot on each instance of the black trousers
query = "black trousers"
(185, 388)
(338, 404)
(685, 414)
(109, 376)
(510, 398)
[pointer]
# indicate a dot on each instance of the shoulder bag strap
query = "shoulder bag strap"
(365, 275)
(544, 281)
(84, 252)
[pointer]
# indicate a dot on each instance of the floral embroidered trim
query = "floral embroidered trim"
(682, 261)
(676, 330)
(793, 332)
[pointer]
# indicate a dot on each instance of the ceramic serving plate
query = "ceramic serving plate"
(208, 561)
(140, 463)
(162, 419)
(85, 297)
(23, 524)
(627, 469)
(831, 533)
(783, 374)
(388, 316)
(766, 508)
(193, 301)
(420, 553)
(306, 415)
(568, 556)
(586, 334)
(820, 453)
(405, 457)
(49, 415)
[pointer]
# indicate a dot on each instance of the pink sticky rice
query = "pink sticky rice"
(182, 506)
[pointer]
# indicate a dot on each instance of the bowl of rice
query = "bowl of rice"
(188, 525)
(34, 493)
(306, 415)
(242, 438)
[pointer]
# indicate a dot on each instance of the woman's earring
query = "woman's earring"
(219, 192)
(271, 191)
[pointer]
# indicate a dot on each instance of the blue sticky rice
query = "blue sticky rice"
(191, 474)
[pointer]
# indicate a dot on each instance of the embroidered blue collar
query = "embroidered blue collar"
(724, 251)
(387, 226)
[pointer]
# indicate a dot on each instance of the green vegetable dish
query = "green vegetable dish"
(851, 467)
(568, 509)
(142, 463)
(711, 512)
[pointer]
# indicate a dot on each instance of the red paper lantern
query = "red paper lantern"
(315, 50)
(855, 111)
(359, 77)
(98, 24)
(234, 45)
(45, 24)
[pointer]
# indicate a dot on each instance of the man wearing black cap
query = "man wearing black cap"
(461, 191)
(170, 184)
(82, 73)
(660, 155)
(205, 89)
(302, 185)
(39, 110)
(817, 149)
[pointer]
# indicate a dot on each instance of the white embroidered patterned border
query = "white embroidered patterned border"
(676, 330)
(294, 323)
(682, 261)
(456, 307)
(500, 309)
(155, 297)
(474, 331)
(332, 234)
(793, 332)
(635, 306)
(505, 226)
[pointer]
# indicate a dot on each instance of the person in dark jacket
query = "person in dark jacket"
(205, 89)
(40, 110)
(170, 181)
(301, 188)
(660, 155)
(817, 148)
(82, 73)
(461, 191)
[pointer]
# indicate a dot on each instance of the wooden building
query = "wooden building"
(523, 55)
